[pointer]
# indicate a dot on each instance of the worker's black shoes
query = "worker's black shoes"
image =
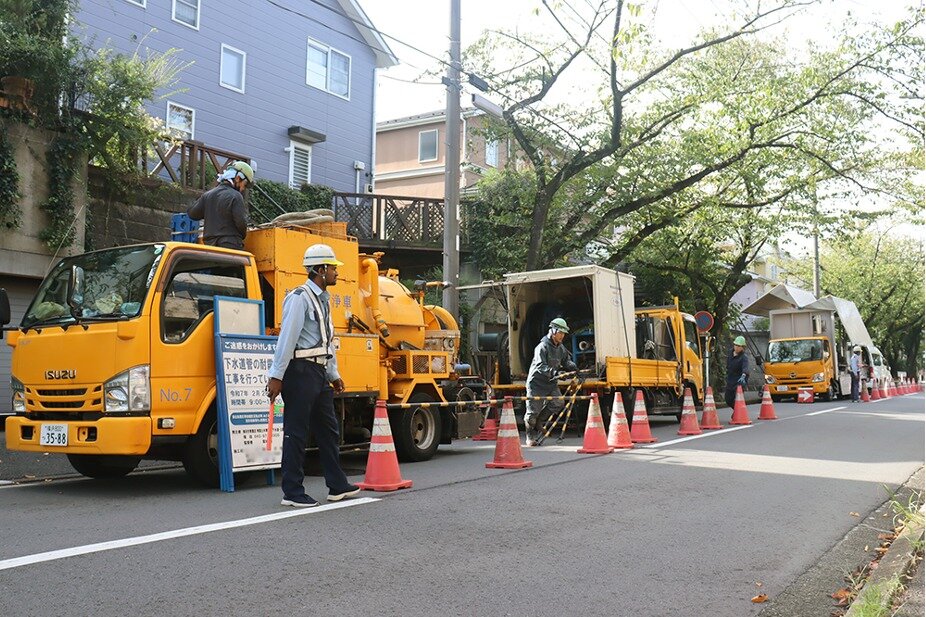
(350, 491)
(299, 502)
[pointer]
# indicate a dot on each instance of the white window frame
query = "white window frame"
(244, 67)
(142, 3)
(436, 145)
(494, 143)
(293, 146)
(328, 49)
(192, 118)
(173, 14)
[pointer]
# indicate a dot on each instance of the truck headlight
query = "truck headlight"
(128, 391)
(19, 395)
(817, 378)
(770, 379)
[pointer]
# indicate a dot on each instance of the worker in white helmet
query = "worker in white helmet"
(855, 372)
(222, 207)
(305, 372)
(550, 358)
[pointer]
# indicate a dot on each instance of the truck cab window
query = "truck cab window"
(188, 295)
(691, 337)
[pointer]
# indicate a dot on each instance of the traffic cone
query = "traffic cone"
(884, 391)
(892, 389)
(767, 411)
(875, 391)
(639, 430)
(709, 419)
(595, 440)
(689, 423)
(865, 397)
(489, 430)
(382, 465)
(740, 415)
(508, 443)
(618, 431)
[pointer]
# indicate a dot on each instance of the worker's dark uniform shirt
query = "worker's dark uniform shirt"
(549, 359)
(226, 218)
(737, 366)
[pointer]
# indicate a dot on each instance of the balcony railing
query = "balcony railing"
(191, 164)
(410, 221)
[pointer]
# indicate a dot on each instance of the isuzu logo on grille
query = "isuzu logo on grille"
(63, 374)
(793, 375)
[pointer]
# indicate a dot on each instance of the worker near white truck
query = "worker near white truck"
(737, 370)
(550, 359)
(855, 368)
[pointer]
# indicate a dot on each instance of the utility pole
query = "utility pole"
(816, 244)
(452, 168)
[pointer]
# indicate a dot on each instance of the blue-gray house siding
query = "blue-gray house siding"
(276, 96)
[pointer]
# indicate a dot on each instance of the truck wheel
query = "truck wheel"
(416, 431)
(103, 466)
(777, 398)
(201, 453)
(829, 395)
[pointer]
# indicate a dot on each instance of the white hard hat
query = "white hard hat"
(320, 255)
(856, 348)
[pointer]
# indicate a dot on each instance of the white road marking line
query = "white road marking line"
(705, 434)
(17, 562)
(6, 482)
(822, 411)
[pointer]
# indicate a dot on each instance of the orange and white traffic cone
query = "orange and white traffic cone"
(885, 393)
(767, 411)
(618, 431)
(595, 440)
(740, 414)
(639, 430)
(875, 391)
(382, 464)
(892, 389)
(689, 423)
(864, 389)
(489, 430)
(508, 444)
(709, 419)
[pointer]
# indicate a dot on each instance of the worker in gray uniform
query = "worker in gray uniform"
(550, 358)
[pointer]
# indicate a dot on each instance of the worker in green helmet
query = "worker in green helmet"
(737, 370)
(222, 207)
(550, 358)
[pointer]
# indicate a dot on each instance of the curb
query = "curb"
(895, 562)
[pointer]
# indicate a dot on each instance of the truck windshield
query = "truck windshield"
(795, 351)
(116, 282)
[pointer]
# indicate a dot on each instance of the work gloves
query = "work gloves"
(742, 380)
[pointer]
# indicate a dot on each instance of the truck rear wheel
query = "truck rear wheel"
(416, 431)
(830, 393)
(103, 466)
(201, 454)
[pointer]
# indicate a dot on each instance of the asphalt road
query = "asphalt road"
(690, 527)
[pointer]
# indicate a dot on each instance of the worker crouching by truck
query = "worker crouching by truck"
(550, 358)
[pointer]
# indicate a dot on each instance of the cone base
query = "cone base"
(384, 488)
(607, 450)
(644, 440)
(622, 446)
(712, 427)
(740, 422)
(692, 432)
(484, 438)
(521, 465)
(772, 417)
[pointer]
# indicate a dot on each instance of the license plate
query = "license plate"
(54, 435)
(781, 388)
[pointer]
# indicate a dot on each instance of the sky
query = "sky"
(425, 24)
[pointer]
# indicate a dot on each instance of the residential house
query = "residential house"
(411, 152)
(288, 84)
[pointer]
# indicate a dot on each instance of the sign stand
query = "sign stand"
(243, 356)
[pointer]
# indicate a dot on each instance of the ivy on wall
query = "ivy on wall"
(9, 185)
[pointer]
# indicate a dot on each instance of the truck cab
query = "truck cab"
(793, 363)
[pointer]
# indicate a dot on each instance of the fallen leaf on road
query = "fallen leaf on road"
(866, 548)
(881, 549)
(758, 583)
(759, 599)
(885, 536)
(843, 593)
(854, 514)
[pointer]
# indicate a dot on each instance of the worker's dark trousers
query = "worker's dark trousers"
(729, 394)
(308, 402)
(855, 386)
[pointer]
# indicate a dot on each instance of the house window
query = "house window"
(231, 73)
(492, 153)
(141, 3)
(327, 69)
(186, 12)
(427, 146)
(300, 165)
(180, 120)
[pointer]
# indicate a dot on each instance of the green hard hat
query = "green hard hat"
(559, 324)
(739, 341)
(245, 170)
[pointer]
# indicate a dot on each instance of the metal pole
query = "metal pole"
(452, 168)
(816, 261)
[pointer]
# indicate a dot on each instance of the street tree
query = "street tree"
(730, 120)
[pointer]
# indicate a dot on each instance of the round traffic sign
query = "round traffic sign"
(704, 320)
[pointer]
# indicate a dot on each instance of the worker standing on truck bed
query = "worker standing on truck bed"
(550, 357)
(305, 370)
(226, 222)
(737, 370)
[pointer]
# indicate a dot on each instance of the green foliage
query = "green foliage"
(309, 197)
(499, 221)
(63, 155)
(9, 185)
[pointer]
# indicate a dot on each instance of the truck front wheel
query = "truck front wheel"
(201, 455)
(103, 466)
(416, 431)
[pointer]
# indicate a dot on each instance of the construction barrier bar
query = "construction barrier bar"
(484, 403)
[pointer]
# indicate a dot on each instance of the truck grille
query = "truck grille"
(71, 399)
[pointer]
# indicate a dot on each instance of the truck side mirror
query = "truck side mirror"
(75, 298)
(4, 307)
